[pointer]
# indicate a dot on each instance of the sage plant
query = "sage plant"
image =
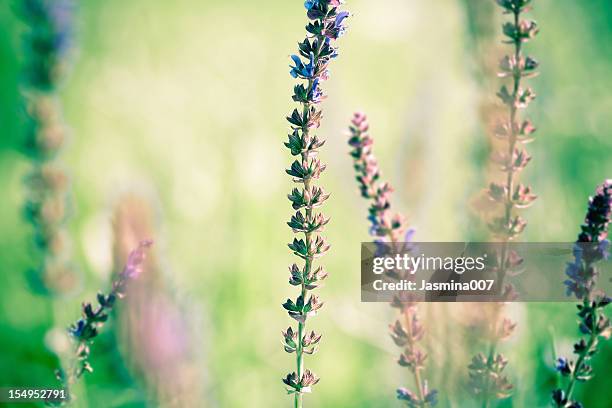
(392, 228)
(325, 25)
(486, 372)
(591, 247)
(47, 45)
(84, 331)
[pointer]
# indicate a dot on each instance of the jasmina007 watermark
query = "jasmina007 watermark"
(467, 272)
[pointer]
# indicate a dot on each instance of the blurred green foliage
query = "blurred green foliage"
(187, 99)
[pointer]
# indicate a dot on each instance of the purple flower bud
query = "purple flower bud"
(563, 366)
(337, 29)
(309, 4)
(133, 267)
(301, 70)
(316, 94)
(339, 19)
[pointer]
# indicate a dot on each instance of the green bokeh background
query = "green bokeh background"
(185, 100)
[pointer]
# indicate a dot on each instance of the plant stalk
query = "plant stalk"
(583, 355)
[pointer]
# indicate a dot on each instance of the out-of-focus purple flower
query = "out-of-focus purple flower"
(409, 236)
(591, 245)
(381, 248)
(165, 333)
(49, 40)
(385, 224)
(84, 330)
(133, 267)
(405, 394)
(61, 14)
(604, 249)
(432, 397)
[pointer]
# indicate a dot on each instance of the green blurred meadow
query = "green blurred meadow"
(183, 102)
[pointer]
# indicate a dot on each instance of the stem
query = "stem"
(302, 325)
(512, 142)
(308, 237)
(298, 400)
(511, 146)
(583, 355)
(408, 316)
(485, 400)
(501, 273)
(308, 264)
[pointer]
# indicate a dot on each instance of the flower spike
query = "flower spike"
(391, 228)
(592, 246)
(86, 329)
(310, 65)
(48, 44)
(487, 380)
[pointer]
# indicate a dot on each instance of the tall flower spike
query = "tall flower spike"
(486, 372)
(591, 247)
(388, 227)
(326, 24)
(47, 45)
(86, 329)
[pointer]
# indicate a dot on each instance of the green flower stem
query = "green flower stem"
(486, 403)
(308, 262)
(308, 237)
(582, 356)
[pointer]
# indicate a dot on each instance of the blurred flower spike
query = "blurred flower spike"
(387, 227)
(49, 41)
(591, 247)
(486, 377)
(93, 318)
(47, 44)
